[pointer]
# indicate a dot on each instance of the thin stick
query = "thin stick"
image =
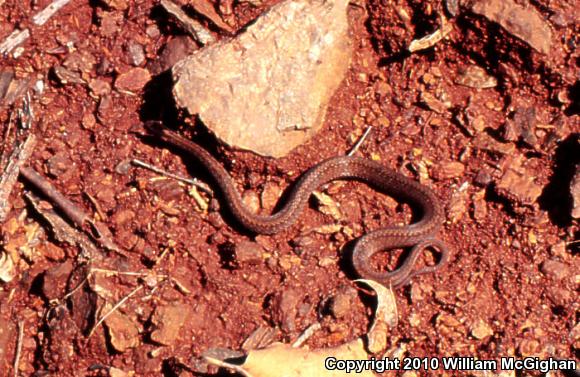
(75, 289)
(306, 335)
(117, 306)
(41, 17)
(355, 148)
(77, 216)
(18, 347)
(13, 40)
(202, 186)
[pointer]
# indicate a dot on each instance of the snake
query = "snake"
(419, 235)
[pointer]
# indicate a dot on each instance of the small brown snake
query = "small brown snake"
(419, 235)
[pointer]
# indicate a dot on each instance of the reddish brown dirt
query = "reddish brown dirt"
(499, 274)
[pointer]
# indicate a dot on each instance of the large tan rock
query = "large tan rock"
(267, 89)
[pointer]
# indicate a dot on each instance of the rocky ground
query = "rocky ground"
(108, 268)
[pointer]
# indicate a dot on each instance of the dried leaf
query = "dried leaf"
(282, 360)
(386, 316)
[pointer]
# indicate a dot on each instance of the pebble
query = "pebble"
(248, 252)
(117, 4)
(528, 347)
(58, 165)
(342, 303)
(560, 297)
(523, 21)
(123, 332)
(481, 330)
(136, 53)
(251, 201)
(448, 170)
(479, 206)
(99, 88)
(285, 308)
(175, 50)
(270, 195)
(167, 322)
(216, 220)
(483, 178)
(555, 269)
(474, 76)
(133, 80)
(457, 206)
(517, 183)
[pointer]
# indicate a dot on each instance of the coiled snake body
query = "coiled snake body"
(418, 235)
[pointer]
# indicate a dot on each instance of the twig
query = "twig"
(306, 334)
(13, 40)
(197, 30)
(202, 186)
(41, 17)
(117, 306)
(355, 148)
(18, 347)
(75, 214)
(96, 230)
(10, 175)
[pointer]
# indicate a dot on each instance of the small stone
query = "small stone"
(285, 308)
(7, 271)
(475, 77)
(251, 201)
(485, 142)
(123, 167)
(342, 302)
(457, 206)
(123, 332)
(175, 50)
(521, 126)
(117, 4)
(136, 53)
(122, 217)
(528, 347)
(560, 297)
(114, 372)
(518, 184)
(216, 220)
(481, 330)
(306, 245)
(555, 269)
(248, 252)
(110, 23)
(55, 279)
(153, 31)
(448, 170)
(66, 76)
(58, 165)
(483, 178)
(270, 195)
(434, 103)
(167, 322)
(133, 80)
(99, 88)
(261, 100)
(523, 21)
(89, 121)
